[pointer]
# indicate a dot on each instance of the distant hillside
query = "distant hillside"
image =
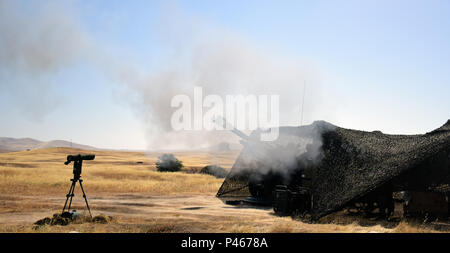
(13, 144)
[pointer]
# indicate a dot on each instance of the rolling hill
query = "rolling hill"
(13, 144)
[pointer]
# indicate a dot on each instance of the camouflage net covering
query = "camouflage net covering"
(349, 163)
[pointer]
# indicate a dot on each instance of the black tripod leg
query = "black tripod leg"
(70, 194)
(67, 197)
(85, 198)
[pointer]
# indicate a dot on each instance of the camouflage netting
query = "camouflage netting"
(348, 164)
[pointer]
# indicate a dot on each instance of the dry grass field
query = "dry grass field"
(126, 186)
(43, 172)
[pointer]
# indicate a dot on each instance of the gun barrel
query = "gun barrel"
(223, 123)
(240, 133)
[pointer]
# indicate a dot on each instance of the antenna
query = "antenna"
(303, 102)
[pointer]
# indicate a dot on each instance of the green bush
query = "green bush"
(168, 163)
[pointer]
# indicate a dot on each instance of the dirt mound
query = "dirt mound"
(68, 218)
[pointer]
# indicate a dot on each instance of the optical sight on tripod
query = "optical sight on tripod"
(77, 166)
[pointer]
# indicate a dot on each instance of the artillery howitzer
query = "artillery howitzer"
(272, 173)
(332, 168)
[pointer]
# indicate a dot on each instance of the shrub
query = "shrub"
(214, 170)
(168, 162)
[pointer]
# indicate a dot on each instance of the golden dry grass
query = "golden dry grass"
(33, 185)
(43, 172)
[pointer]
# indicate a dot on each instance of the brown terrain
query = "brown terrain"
(126, 186)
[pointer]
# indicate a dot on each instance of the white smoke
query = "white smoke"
(222, 64)
(296, 147)
(38, 41)
(35, 43)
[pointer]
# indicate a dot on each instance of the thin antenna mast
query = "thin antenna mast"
(303, 103)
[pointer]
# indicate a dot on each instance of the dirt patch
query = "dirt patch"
(132, 196)
(136, 204)
(168, 214)
(116, 209)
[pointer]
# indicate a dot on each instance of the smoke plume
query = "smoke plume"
(296, 147)
(222, 63)
(35, 43)
(39, 41)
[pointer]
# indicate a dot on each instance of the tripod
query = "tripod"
(76, 178)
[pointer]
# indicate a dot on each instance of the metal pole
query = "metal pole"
(303, 102)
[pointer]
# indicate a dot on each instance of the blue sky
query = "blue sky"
(383, 64)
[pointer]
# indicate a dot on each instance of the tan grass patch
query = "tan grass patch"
(43, 172)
